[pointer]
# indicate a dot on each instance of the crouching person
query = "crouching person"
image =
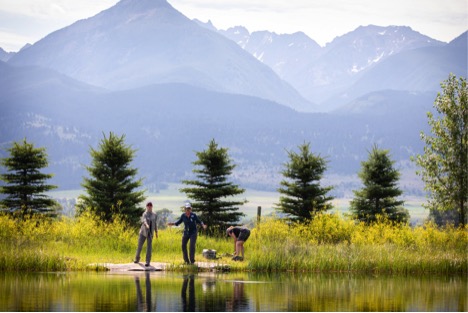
(240, 235)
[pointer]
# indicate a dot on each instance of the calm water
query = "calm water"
(229, 292)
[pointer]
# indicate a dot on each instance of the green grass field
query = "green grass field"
(329, 243)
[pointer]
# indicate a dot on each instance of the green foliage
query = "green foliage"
(444, 164)
(25, 182)
(112, 189)
(380, 191)
(304, 197)
(212, 188)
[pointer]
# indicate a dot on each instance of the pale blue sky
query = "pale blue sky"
(27, 21)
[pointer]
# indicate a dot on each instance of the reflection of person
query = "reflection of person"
(147, 230)
(190, 305)
(190, 221)
(143, 306)
(240, 235)
(238, 302)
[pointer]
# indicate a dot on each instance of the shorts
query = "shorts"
(243, 235)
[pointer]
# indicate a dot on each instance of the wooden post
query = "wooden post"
(259, 215)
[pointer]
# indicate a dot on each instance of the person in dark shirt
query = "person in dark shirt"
(240, 235)
(190, 221)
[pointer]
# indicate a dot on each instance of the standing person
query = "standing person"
(147, 230)
(190, 221)
(240, 235)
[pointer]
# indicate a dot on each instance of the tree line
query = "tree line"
(112, 188)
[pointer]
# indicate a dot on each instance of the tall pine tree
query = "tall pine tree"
(380, 191)
(25, 182)
(304, 197)
(212, 189)
(112, 188)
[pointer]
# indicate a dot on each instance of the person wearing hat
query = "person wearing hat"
(190, 221)
(148, 229)
(240, 235)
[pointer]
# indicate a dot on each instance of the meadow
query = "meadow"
(171, 198)
(329, 243)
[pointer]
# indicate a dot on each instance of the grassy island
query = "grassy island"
(329, 243)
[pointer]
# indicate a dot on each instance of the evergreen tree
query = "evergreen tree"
(445, 160)
(303, 196)
(380, 191)
(112, 188)
(25, 182)
(212, 188)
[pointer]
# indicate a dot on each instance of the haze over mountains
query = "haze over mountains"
(170, 85)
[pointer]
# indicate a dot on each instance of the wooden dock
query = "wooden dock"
(158, 266)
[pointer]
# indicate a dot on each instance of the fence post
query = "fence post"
(259, 215)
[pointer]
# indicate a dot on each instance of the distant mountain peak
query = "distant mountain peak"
(130, 11)
(137, 43)
(460, 41)
(144, 4)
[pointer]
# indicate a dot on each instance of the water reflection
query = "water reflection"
(188, 306)
(238, 301)
(143, 304)
(171, 292)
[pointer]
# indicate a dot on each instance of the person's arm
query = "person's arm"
(156, 225)
(200, 222)
(144, 220)
(176, 223)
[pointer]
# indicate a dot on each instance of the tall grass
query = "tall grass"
(329, 243)
(333, 243)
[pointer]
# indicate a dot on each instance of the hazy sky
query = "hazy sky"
(27, 21)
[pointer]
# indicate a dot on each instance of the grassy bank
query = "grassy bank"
(330, 243)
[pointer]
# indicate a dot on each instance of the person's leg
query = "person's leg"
(243, 236)
(184, 248)
(141, 241)
(149, 249)
(240, 248)
(193, 241)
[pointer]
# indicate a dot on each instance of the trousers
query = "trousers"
(193, 241)
(149, 248)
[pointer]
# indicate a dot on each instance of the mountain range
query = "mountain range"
(170, 84)
(137, 43)
(362, 58)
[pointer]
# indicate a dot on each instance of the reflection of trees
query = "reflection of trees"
(143, 304)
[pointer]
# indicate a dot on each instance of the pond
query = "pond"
(170, 292)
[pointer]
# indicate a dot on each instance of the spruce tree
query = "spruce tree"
(380, 191)
(212, 189)
(444, 164)
(111, 188)
(304, 197)
(25, 183)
